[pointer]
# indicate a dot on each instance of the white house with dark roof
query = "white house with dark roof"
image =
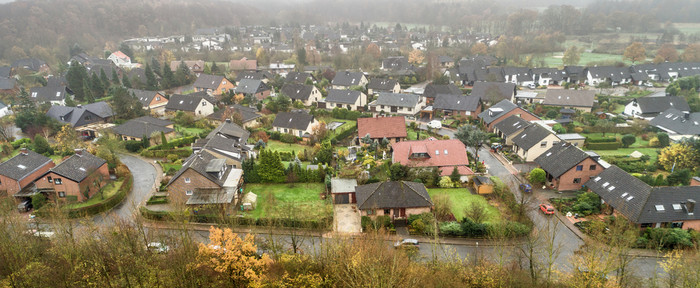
(151, 100)
(397, 103)
(377, 85)
(534, 140)
(347, 79)
(349, 99)
(307, 94)
(575, 99)
(56, 95)
(650, 107)
(678, 123)
(198, 104)
(298, 123)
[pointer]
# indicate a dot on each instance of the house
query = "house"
(509, 127)
(78, 177)
(457, 105)
(573, 138)
(263, 76)
(212, 84)
(198, 104)
(8, 85)
(349, 99)
(574, 99)
(307, 94)
(299, 77)
(646, 206)
(533, 141)
(446, 61)
(695, 181)
(298, 123)
(568, 167)
(650, 107)
(393, 103)
(98, 65)
(503, 110)
(431, 91)
(378, 128)
(120, 59)
(429, 153)
(675, 122)
(150, 100)
(229, 149)
(483, 185)
(136, 129)
(521, 76)
(343, 191)
(30, 64)
(82, 115)
(347, 79)
(205, 180)
(527, 97)
(195, 66)
(56, 95)
(249, 115)
(547, 76)
(4, 110)
(493, 92)
(20, 171)
(230, 130)
(395, 63)
(253, 88)
(378, 85)
(5, 71)
(396, 199)
(613, 75)
(243, 64)
(574, 74)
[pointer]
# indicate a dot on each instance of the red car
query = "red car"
(547, 209)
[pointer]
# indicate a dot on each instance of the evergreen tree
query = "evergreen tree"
(270, 168)
(250, 174)
(126, 82)
(182, 75)
(115, 77)
(104, 79)
(163, 139)
(125, 105)
(151, 82)
(455, 175)
(207, 69)
(98, 91)
(87, 92)
(168, 78)
(215, 69)
(41, 146)
(75, 77)
(155, 66)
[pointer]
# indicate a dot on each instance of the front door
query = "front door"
(400, 213)
(393, 109)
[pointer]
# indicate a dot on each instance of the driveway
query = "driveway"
(346, 218)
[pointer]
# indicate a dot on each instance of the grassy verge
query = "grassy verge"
(109, 191)
(461, 199)
(303, 198)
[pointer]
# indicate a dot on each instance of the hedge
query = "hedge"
(157, 200)
(16, 144)
(345, 134)
(322, 223)
(104, 205)
(603, 146)
(174, 143)
(600, 139)
(165, 153)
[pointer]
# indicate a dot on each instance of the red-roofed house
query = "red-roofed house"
(391, 128)
(120, 59)
(243, 64)
(444, 154)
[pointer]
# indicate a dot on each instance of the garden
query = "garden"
(301, 201)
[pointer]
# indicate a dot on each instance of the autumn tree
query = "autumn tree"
(691, 53)
(373, 50)
(572, 56)
(635, 52)
(667, 53)
(472, 137)
(233, 260)
(319, 130)
(416, 57)
(261, 56)
(479, 49)
(67, 140)
(678, 156)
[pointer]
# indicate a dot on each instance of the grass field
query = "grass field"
(303, 198)
(167, 166)
(688, 28)
(637, 144)
(461, 198)
(626, 151)
(108, 191)
(554, 59)
(286, 147)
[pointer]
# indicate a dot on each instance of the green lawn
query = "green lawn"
(348, 125)
(304, 198)
(166, 166)
(413, 134)
(109, 191)
(554, 59)
(189, 131)
(286, 147)
(637, 144)
(461, 198)
(626, 151)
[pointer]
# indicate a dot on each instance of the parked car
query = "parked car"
(406, 244)
(649, 84)
(435, 124)
(25, 206)
(547, 209)
(531, 86)
(526, 188)
(158, 247)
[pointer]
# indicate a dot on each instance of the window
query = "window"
(58, 181)
(577, 180)
(49, 179)
(370, 212)
(158, 98)
(189, 192)
(387, 211)
(187, 180)
(382, 106)
(204, 103)
(579, 168)
(62, 194)
(677, 224)
(543, 144)
(659, 208)
(593, 167)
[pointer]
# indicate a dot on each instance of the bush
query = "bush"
(591, 139)
(104, 205)
(603, 146)
(172, 157)
(16, 144)
(164, 153)
(288, 138)
(275, 135)
(451, 228)
(586, 204)
(175, 143)
(628, 140)
(345, 134)
(133, 146)
(471, 229)
(666, 238)
(537, 176)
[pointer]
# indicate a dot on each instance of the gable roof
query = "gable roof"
(228, 129)
(431, 90)
(297, 91)
(343, 96)
(299, 77)
(199, 162)
(615, 74)
(656, 105)
(22, 165)
(436, 153)
(207, 81)
(250, 86)
(253, 75)
(678, 122)
(5, 71)
(568, 97)
(456, 102)
(392, 194)
(48, 93)
(496, 111)
(382, 84)
(143, 126)
(145, 97)
(530, 136)
(347, 78)
(395, 63)
(220, 145)
(189, 102)
(32, 64)
(74, 115)
(493, 91)
(511, 125)
(380, 127)
(7, 83)
(243, 64)
(560, 158)
(397, 99)
(299, 120)
(79, 166)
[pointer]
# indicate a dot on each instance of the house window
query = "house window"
(677, 224)
(49, 179)
(58, 181)
(543, 144)
(579, 168)
(387, 211)
(593, 167)
(370, 212)
(382, 106)
(187, 180)
(158, 98)
(204, 103)
(577, 180)
(189, 192)
(61, 194)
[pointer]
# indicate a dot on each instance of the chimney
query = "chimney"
(23, 151)
(690, 206)
(78, 152)
(80, 106)
(686, 114)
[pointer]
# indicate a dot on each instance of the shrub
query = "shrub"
(654, 142)
(600, 139)
(275, 135)
(287, 138)
(446, 182)
(16, 144)
(172, 157)
(471, 229)
(537, 176)
(586, 204)
(663, 139)
(451, 228)
(603, 146)
(628, 140)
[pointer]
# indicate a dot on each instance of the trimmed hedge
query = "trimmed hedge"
(345, 134)
(174, 143)
(603, 146)
(165, 153)
(16, 144)
(105, 205)
(322, 223)
(600, 139)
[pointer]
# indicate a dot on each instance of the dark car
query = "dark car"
(527, 188)
(25, 206)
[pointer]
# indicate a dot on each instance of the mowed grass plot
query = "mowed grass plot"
(278, 146)
(555, 59)
(651, 152)
(461, 199)
(277, 200)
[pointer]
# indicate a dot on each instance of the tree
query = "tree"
(41, 146)
(67, 140)
(679, 177)
(446, 182)
(215, 69)
(16, 53)
(635, 52)
(105, 80)
(75, 77)
(663, 138)
(301, 56)
(183, 75)
(87, 91)
(270, 168)
(455, 176)
(572, 56)
(678, 156)
(397, 172)
(476, 212)
(325, 154)
(538, 176)
(233, 260)
(320, 130)
(125, 105)
(416, 57)
(96, 86)
(151, 82)
(373, 50)
(472, 137)
(628, 139)
(207, 69)
(261, 56)
(126, 49)
(479, 49)
(604, 126)
(667, 53)
(168, 78)
(155, 66)
(691, 53)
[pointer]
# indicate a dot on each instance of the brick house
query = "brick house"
(502, 110)
(568, 167)
(396, 199)
(150, 100)
(196, 66)
(205, 179)
(249, 115)
(20, 171)
(213, 84)
(457, 105)
(378, 128)
(509, 127)
(255, 88)
(81, 176)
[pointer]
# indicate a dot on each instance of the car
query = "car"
(158, 247)
(435, 124)
(547, 209)
(531, 86)
(406, 244)
(649, 84)
(527, 188)
(25, 206)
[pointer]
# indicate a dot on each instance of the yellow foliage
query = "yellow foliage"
(416, 57)
(683, 156)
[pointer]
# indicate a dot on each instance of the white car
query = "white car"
(435, 124)
(649, 84)
(531, 86)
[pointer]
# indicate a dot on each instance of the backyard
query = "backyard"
(461, 199)
(639, 145)
(189, 131)
(108, 191)
(304, 199)
(278, 146)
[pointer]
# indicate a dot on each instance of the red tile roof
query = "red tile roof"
(463, 170)
(377, 128)
(440, 153)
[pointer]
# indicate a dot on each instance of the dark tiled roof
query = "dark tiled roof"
(493, 91)
(145, 97)
(188, 102)
(343, 96)
(395, 63)
(496, 111)
(622, 191)
(293, 120)
(568, 97)
(143, 126)
(207, 81)
(560, 158)
(381, 84)
(7, 83)
(82, 115)
(678, 122)
(398, 99)
(347, 78)
(253, 75)
(511, 125)
(32, 64)
(48, 93)
(230, 130)
(297, 91)
(22, 165)
(298, 77)
(530, 136)
(674, 201)
(615, 74)
(250, 86)
(431, 90)
(225, 146)
(392, 194)
(5, 71)
(456, 102)
(656, 105)
(198, 162)
(78, 167)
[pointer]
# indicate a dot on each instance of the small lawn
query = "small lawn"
(639, 143)
(188, 131)
(108, 191)
(413, 134)
(461, 198)
(167, 166)
(305, 198)
(286, 147)
(627, 151)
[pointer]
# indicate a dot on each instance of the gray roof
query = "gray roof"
(668, 197)
(392, 194)
(250, 86)
(431, 90)
(569, 98)
(298, 77)
(340, 185)
(5, 71)
(530, 136)
(343, 96)
(7, 83)
(221, 145)
(678, 122)
(48, 93)
(456, 102)
(560, 158)
(189, 102)
(22, 165)
(615, 74)
(382, 84)
(253, 75)
(654, 105)
(482, 180)
(228, 129)
(143, 126)
(493, 91)
(398, 99)
(297, 91)
(511, 125)
(207, 81)
(81, 115)
(395, 63)
(299, 120)
(145, 97)
(32, 64)
(347, 78)
(78, 167)
(198, 162)
(496, 111)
